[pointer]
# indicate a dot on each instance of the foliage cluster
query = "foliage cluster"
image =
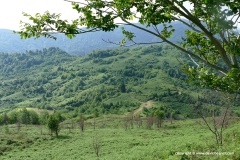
(26, 116)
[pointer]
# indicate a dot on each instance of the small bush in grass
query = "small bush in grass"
(96, 145)
(81, 122)
(53, 124)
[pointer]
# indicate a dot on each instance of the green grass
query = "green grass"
(116, 142)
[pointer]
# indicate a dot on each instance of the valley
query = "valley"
(136, 104)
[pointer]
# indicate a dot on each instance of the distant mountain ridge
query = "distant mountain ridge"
(81, 44)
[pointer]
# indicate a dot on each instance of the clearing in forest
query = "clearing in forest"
(147, 104)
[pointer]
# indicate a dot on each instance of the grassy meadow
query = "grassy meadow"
(111, 139)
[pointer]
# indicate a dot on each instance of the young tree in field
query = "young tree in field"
(149, 122)
(96, 114)
(25, 116)
(138, 120)
(34, 117)
(215, 119)
(96, 145)
(18, 125)
(44, 117)
(160, 115)
(172, 112)
(13, 117)
(53, 124)
(81, 122)
(211, 40)
(5, 119)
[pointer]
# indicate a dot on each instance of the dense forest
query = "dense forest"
(104, 81)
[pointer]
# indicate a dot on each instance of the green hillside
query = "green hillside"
(106, 81)
(110, 104)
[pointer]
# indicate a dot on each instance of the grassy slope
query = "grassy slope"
(83, 79)
(118, 143)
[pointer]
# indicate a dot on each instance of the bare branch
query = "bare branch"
(224, 117)
(81, 31)
(134, 43)
(185, 23)
(156, 29)
(193, 60)
(205, 121)
(90, 30)
(236, 20)
(76, 2)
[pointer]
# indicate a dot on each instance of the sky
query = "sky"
(11, 10)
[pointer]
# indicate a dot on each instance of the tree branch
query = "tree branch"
(196, 21)
(178, 47)
(185, 23)
(134, 43)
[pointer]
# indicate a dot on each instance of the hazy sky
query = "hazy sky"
(11, 10)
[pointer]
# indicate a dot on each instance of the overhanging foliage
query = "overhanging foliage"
(212, 40)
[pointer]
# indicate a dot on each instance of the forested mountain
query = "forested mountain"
(80, 45)
(106, 81)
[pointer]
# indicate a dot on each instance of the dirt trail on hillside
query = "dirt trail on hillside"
(147, 104)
